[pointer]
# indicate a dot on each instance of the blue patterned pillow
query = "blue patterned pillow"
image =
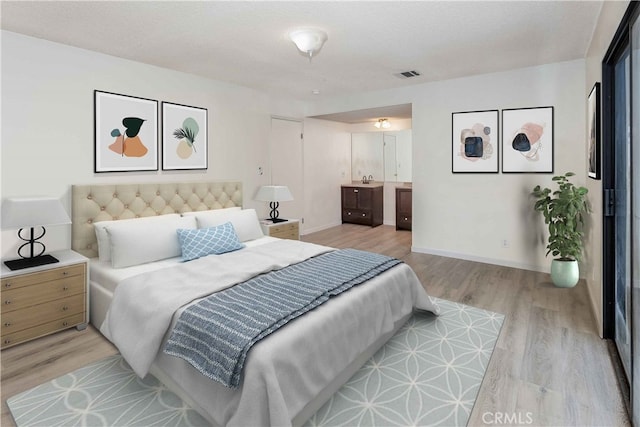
(196, 243)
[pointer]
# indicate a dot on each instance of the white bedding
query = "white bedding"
(285, 372)
(102, 272)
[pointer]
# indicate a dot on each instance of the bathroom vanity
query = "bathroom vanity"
(362, 203)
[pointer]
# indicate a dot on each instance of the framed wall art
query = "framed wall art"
(527, 140)
(593, 132)
(125, 133)
(184, 137)
(474, 142)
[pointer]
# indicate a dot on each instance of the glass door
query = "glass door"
(635, 213)
(621, 185)
(622, 214)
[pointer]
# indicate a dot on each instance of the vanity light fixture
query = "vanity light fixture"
(308, 40)
(382, 123)
(27, 214)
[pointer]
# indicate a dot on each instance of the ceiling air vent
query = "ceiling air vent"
(408, 74)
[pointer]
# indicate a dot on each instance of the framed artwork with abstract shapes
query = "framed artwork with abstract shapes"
(474, 142)
(527, 140)
(125, 133)
(184, 137)
(593, 132)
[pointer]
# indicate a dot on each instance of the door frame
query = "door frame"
(618, 44)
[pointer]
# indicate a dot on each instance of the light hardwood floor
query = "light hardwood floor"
(549, 367)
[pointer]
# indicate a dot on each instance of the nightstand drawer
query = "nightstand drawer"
(285, 234)
(282, 230)
(44, 329)
(44, 276)
(28, 296)
(290, 227)
(18, 320)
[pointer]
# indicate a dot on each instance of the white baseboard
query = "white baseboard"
(494, 261)
(319, 228)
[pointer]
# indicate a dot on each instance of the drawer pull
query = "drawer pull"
(65, 308)
(7, 285)
(7, 341)
(355, 190)
(7, 302)
(7, 324)
(364, 214)
(348, 213)
(65, 273)
(65, 323)
(65, 288)
(405, 218)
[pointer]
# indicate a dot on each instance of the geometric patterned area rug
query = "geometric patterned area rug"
(429, 373)
(105, 393)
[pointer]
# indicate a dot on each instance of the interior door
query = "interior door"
(286, 149)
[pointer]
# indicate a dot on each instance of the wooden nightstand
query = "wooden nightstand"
(41, 300)
(289, 229)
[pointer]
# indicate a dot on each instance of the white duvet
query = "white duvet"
(284, 372)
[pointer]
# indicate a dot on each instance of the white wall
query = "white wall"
(469, 215)
(610, 16)
(47, 123)
(327, 165)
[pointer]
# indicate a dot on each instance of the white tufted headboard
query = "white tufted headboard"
(94, 203)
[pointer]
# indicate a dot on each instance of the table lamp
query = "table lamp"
(274, 194)
(26, 214)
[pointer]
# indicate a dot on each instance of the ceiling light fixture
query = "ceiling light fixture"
(382, 123)
(309, 41)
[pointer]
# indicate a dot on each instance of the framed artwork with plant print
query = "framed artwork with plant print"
(184, 137)
(125, 133)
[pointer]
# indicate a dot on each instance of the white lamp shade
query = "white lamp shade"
(308, 40)
(32, 212)
(274, 193)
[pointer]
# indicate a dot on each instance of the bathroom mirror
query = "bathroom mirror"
(384, 156)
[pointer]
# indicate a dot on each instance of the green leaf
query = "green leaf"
(191, 127)
(133, 125)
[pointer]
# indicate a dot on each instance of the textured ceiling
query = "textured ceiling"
(369, 42)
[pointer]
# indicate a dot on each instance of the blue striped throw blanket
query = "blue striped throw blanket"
(215, 334)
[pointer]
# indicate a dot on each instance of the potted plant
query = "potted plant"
(562, 211)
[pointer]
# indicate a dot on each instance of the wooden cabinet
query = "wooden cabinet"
(362, 204)
(403, 208)
(41, 300)
(289, 229)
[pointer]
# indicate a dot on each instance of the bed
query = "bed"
(288, 375)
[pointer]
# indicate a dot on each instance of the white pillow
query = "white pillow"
(104, 243)
(134, 243)
(222, 214)
(245, 222)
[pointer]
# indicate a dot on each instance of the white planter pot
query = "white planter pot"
(564, 274)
